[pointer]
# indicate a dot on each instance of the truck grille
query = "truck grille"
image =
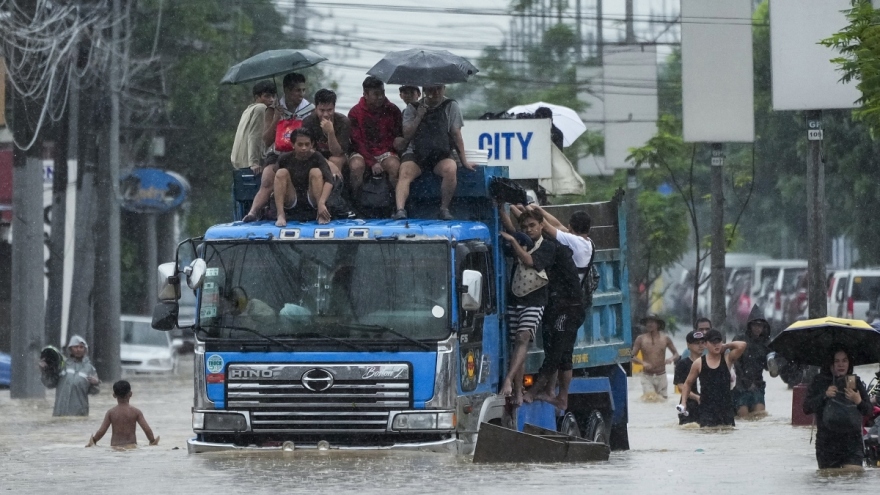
(318, 398)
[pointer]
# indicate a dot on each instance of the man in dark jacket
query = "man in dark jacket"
(748, 395)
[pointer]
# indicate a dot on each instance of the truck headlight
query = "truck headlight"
(219, 421)
(225, 422)
(424, 421)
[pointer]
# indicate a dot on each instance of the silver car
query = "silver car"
(144, 350)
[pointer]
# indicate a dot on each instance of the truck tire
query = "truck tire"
(619, 437)
(595, 429)
(568, 425)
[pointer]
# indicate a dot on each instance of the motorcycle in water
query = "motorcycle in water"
(871, 427)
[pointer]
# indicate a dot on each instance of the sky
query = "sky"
(355, 34)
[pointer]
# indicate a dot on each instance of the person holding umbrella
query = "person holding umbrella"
(839, 399)
(433, 129)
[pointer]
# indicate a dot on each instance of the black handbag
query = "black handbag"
(505, 190)
(841, 416)
(376, 196)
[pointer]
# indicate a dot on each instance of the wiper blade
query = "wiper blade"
(348, 343)
(251, 330)
(384, 329)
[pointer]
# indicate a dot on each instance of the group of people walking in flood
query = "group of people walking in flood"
(720, 382)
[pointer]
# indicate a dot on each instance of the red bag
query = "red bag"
(282, 134)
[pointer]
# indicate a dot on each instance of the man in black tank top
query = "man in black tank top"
(713, 370)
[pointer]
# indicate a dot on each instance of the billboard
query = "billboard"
(803, 76)
(523, 145)
(717, 71)
(629, 85)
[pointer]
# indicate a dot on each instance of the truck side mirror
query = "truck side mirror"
(165, 315)
(169, 282)
(471, 290)
(195, 273)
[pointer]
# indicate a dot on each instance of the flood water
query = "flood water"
(38, 452)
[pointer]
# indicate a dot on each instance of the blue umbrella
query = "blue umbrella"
(269, 64)
(417, 67)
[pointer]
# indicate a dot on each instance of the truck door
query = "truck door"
(474, 357)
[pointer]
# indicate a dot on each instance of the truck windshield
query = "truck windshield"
(329, 290)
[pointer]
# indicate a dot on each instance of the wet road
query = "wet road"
(38, 452)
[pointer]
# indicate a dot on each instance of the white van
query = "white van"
(768, 282)
(736, 266)
(853, 291)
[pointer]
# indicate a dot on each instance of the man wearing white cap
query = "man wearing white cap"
(75, 382)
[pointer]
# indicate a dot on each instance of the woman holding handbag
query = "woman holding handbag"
(839, 400)
(528, 291)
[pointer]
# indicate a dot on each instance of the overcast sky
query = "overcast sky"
(355, 34)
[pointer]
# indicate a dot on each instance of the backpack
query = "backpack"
(590, 282)
(376, 197)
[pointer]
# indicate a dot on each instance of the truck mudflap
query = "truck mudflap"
(496, 444)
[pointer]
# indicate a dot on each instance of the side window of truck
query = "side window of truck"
(482, 263)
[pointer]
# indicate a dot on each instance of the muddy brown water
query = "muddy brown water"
(39, 452)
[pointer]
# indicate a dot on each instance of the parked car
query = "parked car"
(837, 283)
(5, 370)
(736, 265)
(856, 294)
(144, 350)
(739, 301)
(797, 303)
(784, 289)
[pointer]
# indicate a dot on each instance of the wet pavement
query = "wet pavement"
(38, 452)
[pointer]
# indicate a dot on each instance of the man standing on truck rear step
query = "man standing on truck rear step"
(653, 345)
(566, 310)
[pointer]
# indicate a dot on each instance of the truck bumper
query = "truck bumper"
(446, 446)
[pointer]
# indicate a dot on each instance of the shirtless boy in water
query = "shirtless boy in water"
(123, 417)
(653, 345)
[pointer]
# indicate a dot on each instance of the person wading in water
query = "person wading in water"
(713, 370)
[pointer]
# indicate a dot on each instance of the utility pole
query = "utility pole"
(26, 308)
(816, 217)
(600, 41)
(106, 305)
(55, 293)
(719, 243)
(630, 29)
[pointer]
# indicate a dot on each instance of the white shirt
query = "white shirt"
(581, 249)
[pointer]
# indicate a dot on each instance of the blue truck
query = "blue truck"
(383, 334)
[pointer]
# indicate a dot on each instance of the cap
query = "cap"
(696, 335)
(653, 317)
(714, 336)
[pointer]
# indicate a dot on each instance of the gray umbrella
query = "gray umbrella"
(270, 63)
(417, 67)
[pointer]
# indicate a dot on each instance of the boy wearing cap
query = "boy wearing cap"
(75, 382)
(696, 342)
(713, 370)
(653, 345)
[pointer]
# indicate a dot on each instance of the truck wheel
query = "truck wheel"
(619, 437)
(595, 429)
(568, 426)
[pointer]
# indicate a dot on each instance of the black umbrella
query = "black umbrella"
(811, 342)
(270, 63)
(417, 67)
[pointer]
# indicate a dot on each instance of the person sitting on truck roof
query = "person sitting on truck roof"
(555, 134)
(376, 124)
(287, 116)
(410, 94)
(331, 130)
(303, 181)
(528, 291)
(434, 128)
(248, 147)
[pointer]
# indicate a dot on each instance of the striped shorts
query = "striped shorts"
(524, 319)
